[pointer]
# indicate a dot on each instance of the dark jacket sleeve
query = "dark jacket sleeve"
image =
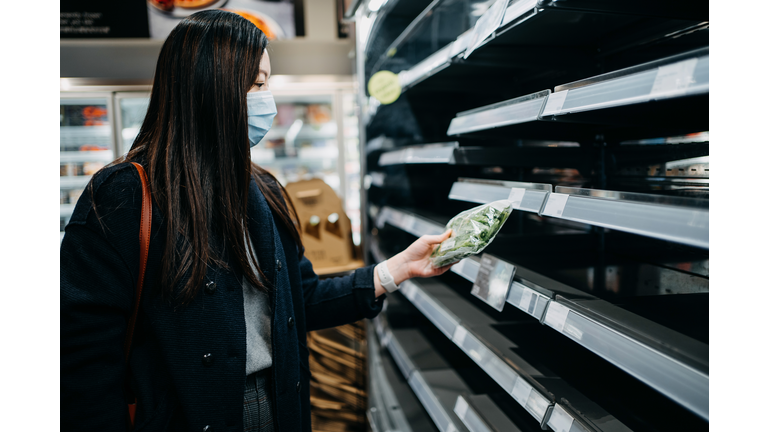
(338, 301)
(97, 287)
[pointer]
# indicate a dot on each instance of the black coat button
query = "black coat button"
(207, 428)
(208, 359)
(279, 265)
(210, 287)
(290, 321)
(298, 386)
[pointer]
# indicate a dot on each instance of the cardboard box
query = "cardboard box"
(326, 229)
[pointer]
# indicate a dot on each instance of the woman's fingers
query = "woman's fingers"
(433, 239)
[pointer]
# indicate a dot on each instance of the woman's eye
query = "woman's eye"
(259, 84)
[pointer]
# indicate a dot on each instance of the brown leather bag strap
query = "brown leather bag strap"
(144, 233)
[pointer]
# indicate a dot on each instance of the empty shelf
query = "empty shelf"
(392, 404)
(682, 75)
(438, 385)
(533, 32)
(519, 110)
(408, 222)
(480, 414)
(615, 103)
(669, 362)
(680, 220)
(524, 196)
(530, 291)
(432, 380)
(525, 383)
(421, 154)
(673, 364)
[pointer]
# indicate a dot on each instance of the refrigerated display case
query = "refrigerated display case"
(314, 134)
(592, 118)
(86, 144)
(132, 107)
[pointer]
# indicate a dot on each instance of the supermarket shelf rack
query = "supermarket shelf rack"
(678, 219)
(673, 364)
(531, 30)
(616, 102)
(470, 329)
(517, 121)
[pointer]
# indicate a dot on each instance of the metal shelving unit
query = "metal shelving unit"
(439, 153)
(473, 332)
(393, 405)
(531, 29)
(618, 103)
(670, 362)
(592, 118)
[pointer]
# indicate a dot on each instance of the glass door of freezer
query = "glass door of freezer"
(302, 142)
(86, 144)
(132, 107)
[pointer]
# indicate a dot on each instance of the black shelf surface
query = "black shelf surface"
(392, 407)
(666, 97)
(681, 337)
(392, 19)
(493, 353)
(547, 46)
(428, 359)
(428, 348)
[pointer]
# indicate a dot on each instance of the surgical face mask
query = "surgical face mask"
(261, 112)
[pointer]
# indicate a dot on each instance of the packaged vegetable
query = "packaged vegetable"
(472, 231)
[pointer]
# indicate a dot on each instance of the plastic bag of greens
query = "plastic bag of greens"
(473, 230)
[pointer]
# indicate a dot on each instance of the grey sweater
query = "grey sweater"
(258, 325)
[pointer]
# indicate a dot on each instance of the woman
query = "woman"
(220, 342)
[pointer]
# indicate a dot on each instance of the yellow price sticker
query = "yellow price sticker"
(384, 86)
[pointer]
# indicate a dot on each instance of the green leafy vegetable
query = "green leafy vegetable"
(473, 230)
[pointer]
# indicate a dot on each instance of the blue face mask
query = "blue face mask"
(261, 112)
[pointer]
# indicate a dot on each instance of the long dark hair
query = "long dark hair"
(194, 144)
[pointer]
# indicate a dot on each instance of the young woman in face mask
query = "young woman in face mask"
(220, 340)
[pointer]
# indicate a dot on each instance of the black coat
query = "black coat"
(176, 389)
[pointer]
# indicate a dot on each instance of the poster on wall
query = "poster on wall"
(279, 19)
(79, 19)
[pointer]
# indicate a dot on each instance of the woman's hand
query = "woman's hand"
(414, 261)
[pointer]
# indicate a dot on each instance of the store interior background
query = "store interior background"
(316, 89)
(314, 135)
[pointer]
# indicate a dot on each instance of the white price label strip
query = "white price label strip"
(521, 391)
(560, 421)
(555, 102)
(448, 244)
(573, 331)
(459, 335)
(461, 407)
(674, 77)
(460, 44)
(525, 301)
(555, 205)
(556, 316)
(516, 197)
(486, 25)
